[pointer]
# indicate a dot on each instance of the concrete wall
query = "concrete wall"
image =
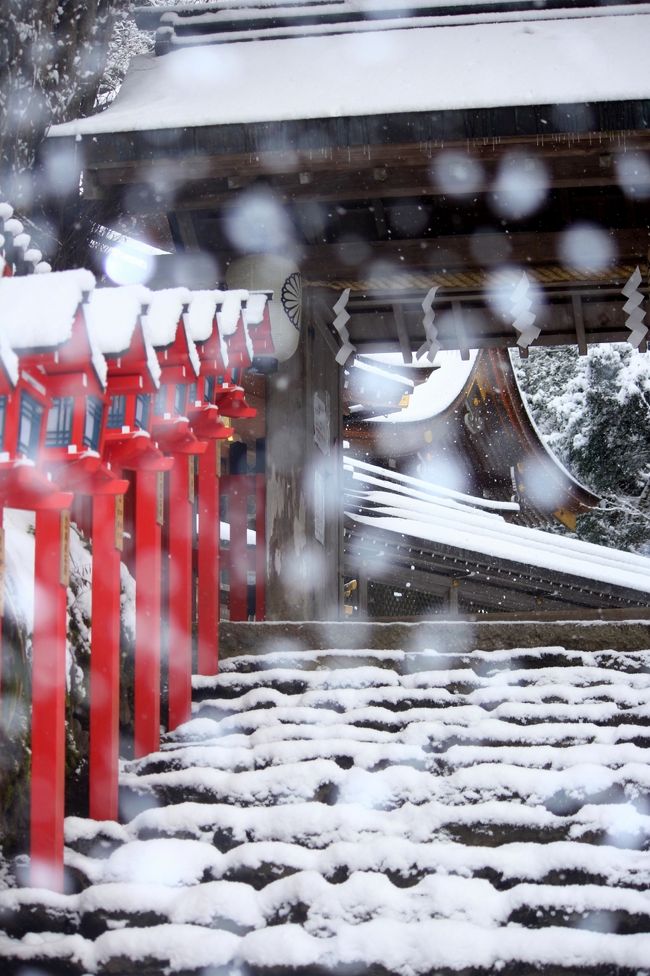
(303, 513)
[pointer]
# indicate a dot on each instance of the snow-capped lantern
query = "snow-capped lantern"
(271, 272)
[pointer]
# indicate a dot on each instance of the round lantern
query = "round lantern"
(271, 272)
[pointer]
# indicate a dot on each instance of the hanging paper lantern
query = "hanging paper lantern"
(271, 272)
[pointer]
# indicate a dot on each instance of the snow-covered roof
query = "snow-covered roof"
(200, 317)
(112, 315)
(374, 369)
(254, 311)
(406, 508)
(8, 356)
(164, 312)
(437, 392)
(38, 311)
(410, 69)
(162, 318)
(230, 310)
(228, 305)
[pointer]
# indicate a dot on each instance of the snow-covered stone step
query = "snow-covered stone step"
(293, 681)
(380, 946)
(387, 813)
(599, 703)
(174, 862)
(375, 756)
(316, 826)
(409, 662)
(390, 716)
(436, 735)
(323, 906)
(326, 781)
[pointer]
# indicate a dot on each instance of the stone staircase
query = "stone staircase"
(370, 812)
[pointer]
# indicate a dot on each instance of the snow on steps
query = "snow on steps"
(411, 813)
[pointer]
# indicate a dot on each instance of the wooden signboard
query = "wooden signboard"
(160, 498)
(119, 522)
(64, 568)
(190, 479)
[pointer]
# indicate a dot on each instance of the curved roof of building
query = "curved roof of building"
(497, 56)
(438, 391)
(416, 509)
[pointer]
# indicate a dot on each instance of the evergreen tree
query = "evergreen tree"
(594, 413)
(52, 58)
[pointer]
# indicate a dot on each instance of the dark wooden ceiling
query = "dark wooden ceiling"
(371, 213)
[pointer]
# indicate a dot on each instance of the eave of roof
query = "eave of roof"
(390, 72)
(463, 523)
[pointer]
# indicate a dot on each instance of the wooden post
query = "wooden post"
(148, 523)
(2, 594)
(260, 546)
(48, 699)
(181, 507)
(238, 517)
(105, 656)
(209, 588)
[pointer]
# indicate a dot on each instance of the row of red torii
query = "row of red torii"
(109, 398)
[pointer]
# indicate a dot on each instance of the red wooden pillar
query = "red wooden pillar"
(48, 699)
(238, 518)
(2, 594)
(105, 656)
(209, 544)
(148, 523)
(181, 499)
(260, 547)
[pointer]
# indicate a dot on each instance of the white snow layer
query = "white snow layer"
(380, 873)
(466, 526)
(389, 71)
(38, 311)
(112, 315)
(438, 392)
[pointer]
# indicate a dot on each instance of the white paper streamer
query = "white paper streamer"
(633, 310)
(523, 319)
(430, 346)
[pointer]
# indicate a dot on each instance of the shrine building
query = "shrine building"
(406, 177)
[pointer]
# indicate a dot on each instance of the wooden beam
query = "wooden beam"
(579, 321)
(448, 252)
(321, 310)
(459, 329)
(402, 335)
(196, 165)
(379, 213)
(210, 192)
(186, 234)
(373, 330)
